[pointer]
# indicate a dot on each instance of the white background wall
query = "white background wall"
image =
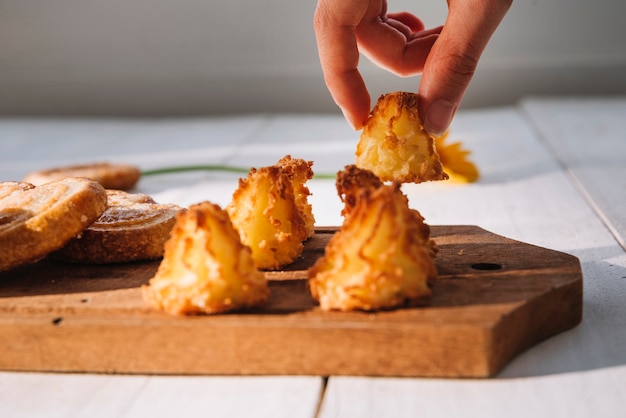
(194, 57)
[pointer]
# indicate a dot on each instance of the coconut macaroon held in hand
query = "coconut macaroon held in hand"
(382, 257)
(205, 267)
(270, 211)
(394, 144)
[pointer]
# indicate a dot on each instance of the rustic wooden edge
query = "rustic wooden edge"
(453, 340)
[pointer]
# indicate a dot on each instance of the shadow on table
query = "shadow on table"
(599, 341)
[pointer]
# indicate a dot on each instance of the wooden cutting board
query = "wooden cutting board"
(494, 298)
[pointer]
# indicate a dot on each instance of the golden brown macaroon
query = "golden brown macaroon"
(381, 258)
(37, 221)
(353, 183)
(133, 227)
(269, 209)
(110, 176)
(394, 144)
(205, 268)
(300, 171)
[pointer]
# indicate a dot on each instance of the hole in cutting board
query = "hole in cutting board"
(486, 266)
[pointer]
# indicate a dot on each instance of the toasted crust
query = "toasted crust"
(351, 182)
(205, 268)
(300, 171)
(37, 221)
(133, 227)
(110, 176)
(394, 144)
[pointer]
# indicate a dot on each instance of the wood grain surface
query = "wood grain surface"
(494, 298)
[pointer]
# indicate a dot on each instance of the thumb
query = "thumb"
(454, 57)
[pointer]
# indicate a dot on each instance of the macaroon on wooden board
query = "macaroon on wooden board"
(494, 298)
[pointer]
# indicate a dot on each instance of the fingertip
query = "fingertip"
(355, 123)
(355, 113)
(438, 116)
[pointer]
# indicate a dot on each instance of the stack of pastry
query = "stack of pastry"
(79, 219)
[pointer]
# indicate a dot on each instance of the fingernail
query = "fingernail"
(439, 116)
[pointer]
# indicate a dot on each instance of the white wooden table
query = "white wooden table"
(553, 174)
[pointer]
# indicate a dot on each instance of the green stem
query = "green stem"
(211, 167)
(182, 169)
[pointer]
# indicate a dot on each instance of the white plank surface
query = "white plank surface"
(524, 193)
(85, 395)
(563, 395)
(589, 139)
(34, 144)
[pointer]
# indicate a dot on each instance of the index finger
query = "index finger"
(335, 23)
(454, 58)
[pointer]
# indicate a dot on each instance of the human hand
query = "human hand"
(446, 56)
